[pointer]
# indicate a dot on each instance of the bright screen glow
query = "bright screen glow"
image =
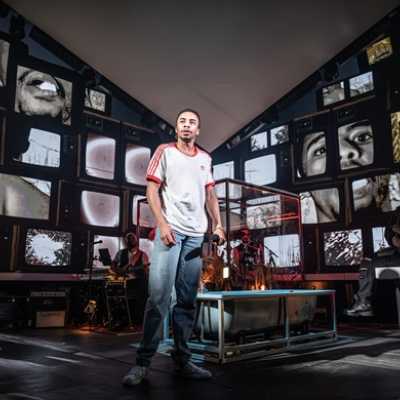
(264, 212)
(48, 248)
(279, 135)
(320, 206)
(112, 243)
(342, 248)
(378, 238)
(24, 197)
(147, 219)
(95, 100)
(137, 159)
(282, 251)
(259, 141)
(379, 51)
(100, 209)
(100, 156)
(361, 84)
(261, 170)
(333, 93)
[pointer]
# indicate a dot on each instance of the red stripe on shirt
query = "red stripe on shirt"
(156, 159)
(153, 179)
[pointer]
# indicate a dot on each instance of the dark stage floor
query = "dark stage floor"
(52, 364)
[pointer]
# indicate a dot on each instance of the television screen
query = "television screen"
(146, 245)
(40, 148)
(95, 100)
(343, 248)
(147, 219)
(356, 145)
(320, 206)
(279, 135)
(4, 53)
(395, 121)
(378, 238)
(48, 248)
(100, 156)
(313, 154)
(263, 212)
(24, 197)
(137, 159)
(282, 251)
(112, 243)
(39, 93)
(333, 93)
(361, 84)
(379, 51)
(100, 209)
(380, 193)
(221, 171)
(260, 170)
(258, 141)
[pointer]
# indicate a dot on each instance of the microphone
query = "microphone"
(97, 242)
(211, 238)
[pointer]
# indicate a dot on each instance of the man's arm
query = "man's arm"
(213, 211)
(153, 197)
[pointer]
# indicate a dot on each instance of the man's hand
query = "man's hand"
(219, 231)
(167, 235)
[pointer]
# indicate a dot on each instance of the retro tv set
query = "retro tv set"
(279, 135)
(136, 162)
(379, 50)
(332, 94)
(259, 141)
(50, 250)
(97, 100)
(282, 252)
(374, 195)
(261, 170)
(27, 197)
(314, 151)
(361, 85)
(322, 204)
(46, 91)
(360, 135)
(139, 206)
(342, 250)
(99, 161)
(222, 171)
(262, 212)
(112, 243)
(30, 145)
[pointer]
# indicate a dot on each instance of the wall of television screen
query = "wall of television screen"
(70, 174)
(342, 159)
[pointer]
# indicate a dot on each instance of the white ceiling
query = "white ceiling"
(230, 60)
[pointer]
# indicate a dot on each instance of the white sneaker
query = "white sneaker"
(134, 376)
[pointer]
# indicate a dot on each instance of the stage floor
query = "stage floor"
(55, 364)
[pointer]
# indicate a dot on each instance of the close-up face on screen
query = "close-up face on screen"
(356, 145)
(314, 154)
(333, 93)
(343, 248)
(282, 251)
(147, 219)
(100, 156)
(4, 52)
(261, 170)
(320, 206)
(43, 149)
(279, 135)
(24, 197)
(48, 248)
(38, 93)
(95, 100)
(361, 84)
(137, 159)
(100, 209)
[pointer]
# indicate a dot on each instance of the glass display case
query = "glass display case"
(263, 231)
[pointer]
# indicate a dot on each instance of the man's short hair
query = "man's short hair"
(129, 231)
(197, 114)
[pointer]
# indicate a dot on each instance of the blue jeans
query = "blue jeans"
(179, 265)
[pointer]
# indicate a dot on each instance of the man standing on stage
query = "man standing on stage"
(181, 173)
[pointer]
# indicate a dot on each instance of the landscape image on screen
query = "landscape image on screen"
(378, 238)
(282, 251)
(43, 149)
(395, 123)
(95, 100)
(381, 193)
(4, 52)
(48, 248)
(100, 156)
(24, 197)
(137, 159)
(279, 135)
(261, 170)
(343, 248)
(379, 51)
(100, 209)
(333, 94)
(361, 84)
(39, 93)
(147, 219)
(320, 206)
(263, 212)
(258, 141)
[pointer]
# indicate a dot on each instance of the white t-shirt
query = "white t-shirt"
(184, 180)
